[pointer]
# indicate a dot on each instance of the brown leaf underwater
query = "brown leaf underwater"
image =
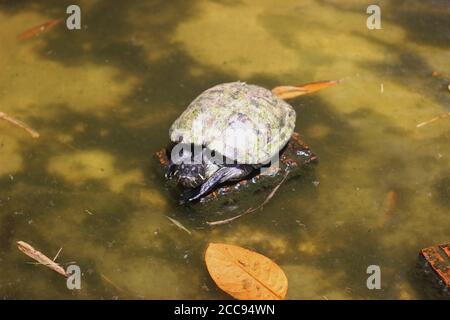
(245, 274)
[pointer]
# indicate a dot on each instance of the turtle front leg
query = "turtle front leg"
(291, 92)
(222, 175)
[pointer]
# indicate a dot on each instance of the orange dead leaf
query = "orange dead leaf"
(37, 30)
(291, 92)
(244, 274)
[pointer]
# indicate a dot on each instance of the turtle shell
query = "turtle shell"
(242, 122)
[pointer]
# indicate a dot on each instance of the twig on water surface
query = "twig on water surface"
(19, 124)
(179, 225)
(40, 257)
(441, 116)
(250, 210)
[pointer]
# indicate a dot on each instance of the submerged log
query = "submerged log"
(231, 198)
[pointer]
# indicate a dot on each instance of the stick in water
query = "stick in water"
(444, 115)
(250, 210)
(19, 124)
(40, 257)
(179, 225)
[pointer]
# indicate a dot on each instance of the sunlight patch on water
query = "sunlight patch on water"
(81, 167)
(231, 38)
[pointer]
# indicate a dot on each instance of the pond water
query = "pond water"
(103, 98)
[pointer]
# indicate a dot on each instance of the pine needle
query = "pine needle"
(179, 225)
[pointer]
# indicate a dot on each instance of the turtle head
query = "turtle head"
(191, 175)
(187, 165)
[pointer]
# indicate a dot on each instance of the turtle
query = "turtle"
(229, 132)
(225, 134)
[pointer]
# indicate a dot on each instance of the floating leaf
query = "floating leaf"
(291, 92)
(37, 30)
(244, 274)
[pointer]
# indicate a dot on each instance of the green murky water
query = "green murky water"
(102, 99)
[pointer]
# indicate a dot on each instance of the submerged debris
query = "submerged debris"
(436, 74)
(443, 115)
(179, 225)
(19, 124)
(38, 30)
(390, 206)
